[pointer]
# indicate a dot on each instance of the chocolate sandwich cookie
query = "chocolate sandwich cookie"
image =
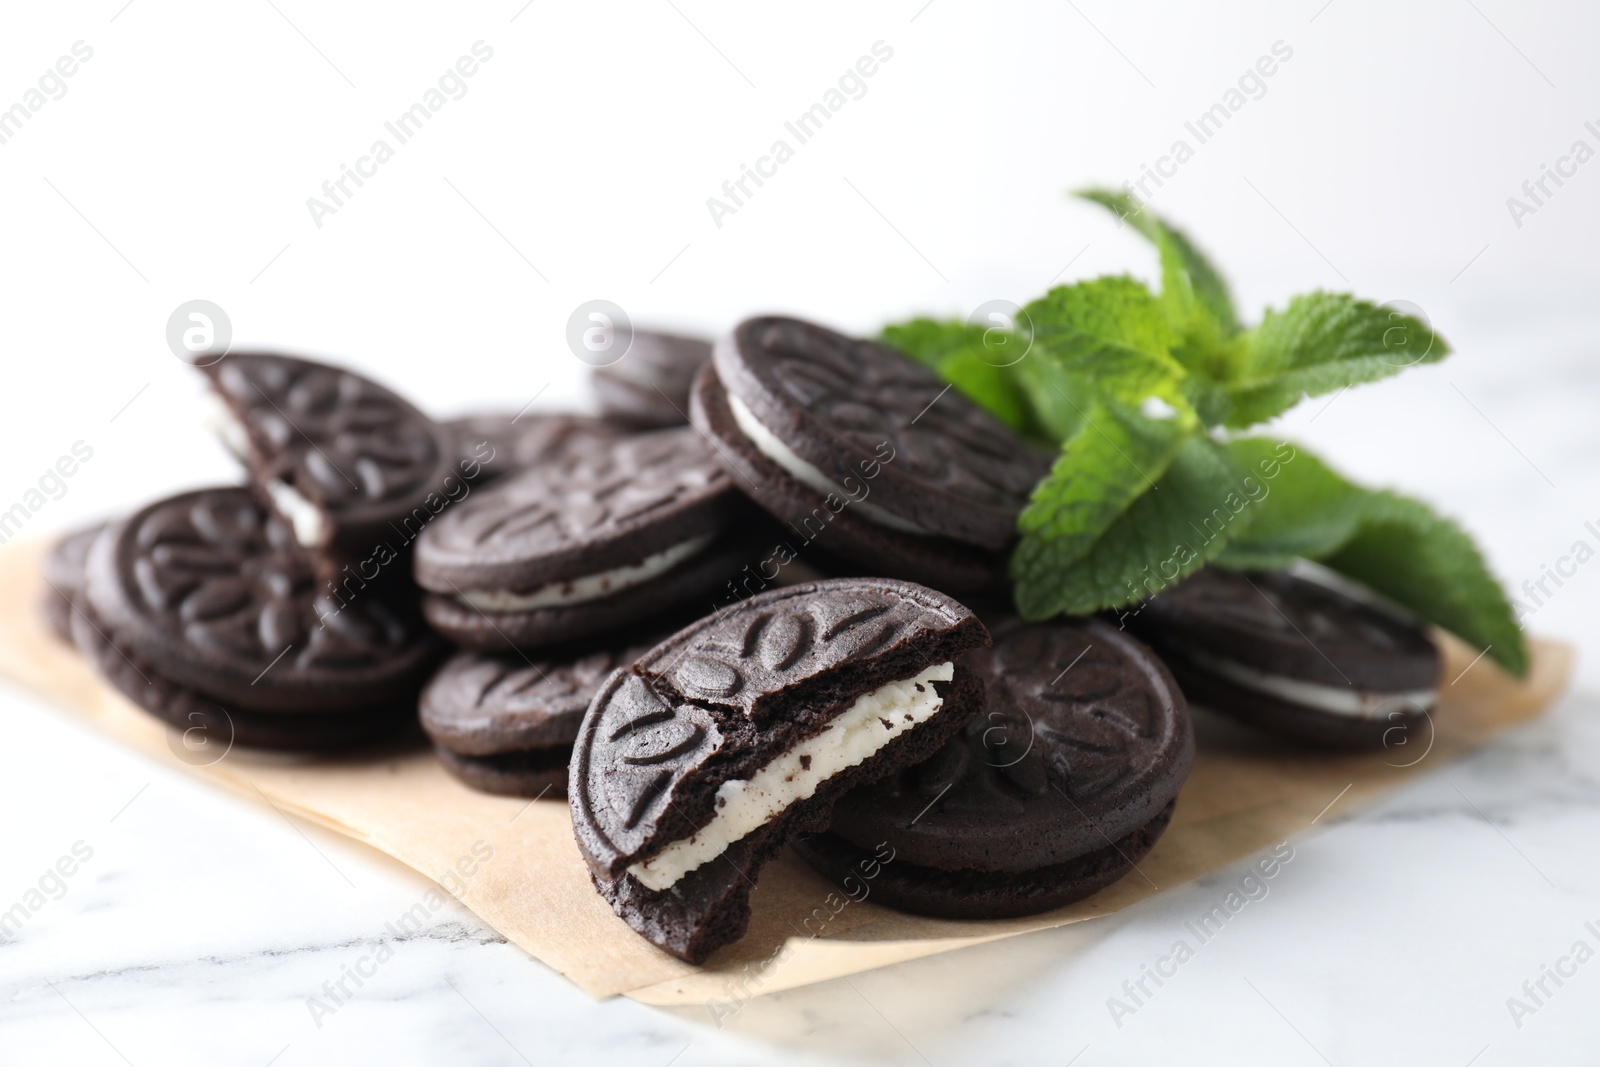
(349, 464)
(483, 443)
(205, 604)
(1057, 789)
(649, 386)
(63, 575)
(503, 724)
(600, 537)
(490, 445)
(205, 721)
(1295, 657)
(695, 766)
(866, 454)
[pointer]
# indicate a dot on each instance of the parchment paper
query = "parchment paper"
(1245, 794)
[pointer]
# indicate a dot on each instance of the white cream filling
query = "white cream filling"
(217, 417)
(768, 444)
(310, 528)
(1332, 698)
(304, 517)
(588, 587)
(743, 805)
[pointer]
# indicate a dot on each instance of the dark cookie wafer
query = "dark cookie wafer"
(593, 506)
(829, 527)
(695, 766)
(506, 724)
(1295, 657)
(490, 445)
(535, 773)
(341, 457)
(972, 894)
(488, 705)
(649, 386)
(941, 466)
(211, 727)
(484, 444)
(1062, 783)
(212, 590)
(600, 537)
(63, 575)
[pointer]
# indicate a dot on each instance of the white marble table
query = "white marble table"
(200, 925)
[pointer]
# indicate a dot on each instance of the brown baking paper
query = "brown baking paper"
(1244, 795)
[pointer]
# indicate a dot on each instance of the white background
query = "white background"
(577, 166)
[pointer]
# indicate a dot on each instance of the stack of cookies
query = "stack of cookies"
(278, 613)
(761, 599)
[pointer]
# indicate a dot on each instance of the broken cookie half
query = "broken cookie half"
(354, 469)
(695, 765)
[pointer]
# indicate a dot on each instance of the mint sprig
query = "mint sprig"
(1140, 390)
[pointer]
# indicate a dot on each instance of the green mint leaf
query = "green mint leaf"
(1106, 368)
(1051, 392)
(1116, 456)
(993, 388)
(972, 358)
(1391, 543)
(1304, 510)
(1127, 208)
(1167, 533)
(1110, 331)
(1430, 565)
(1322, 342)
(1188, 278)
(1207, 396)
(929, 341)
(1113, 308)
